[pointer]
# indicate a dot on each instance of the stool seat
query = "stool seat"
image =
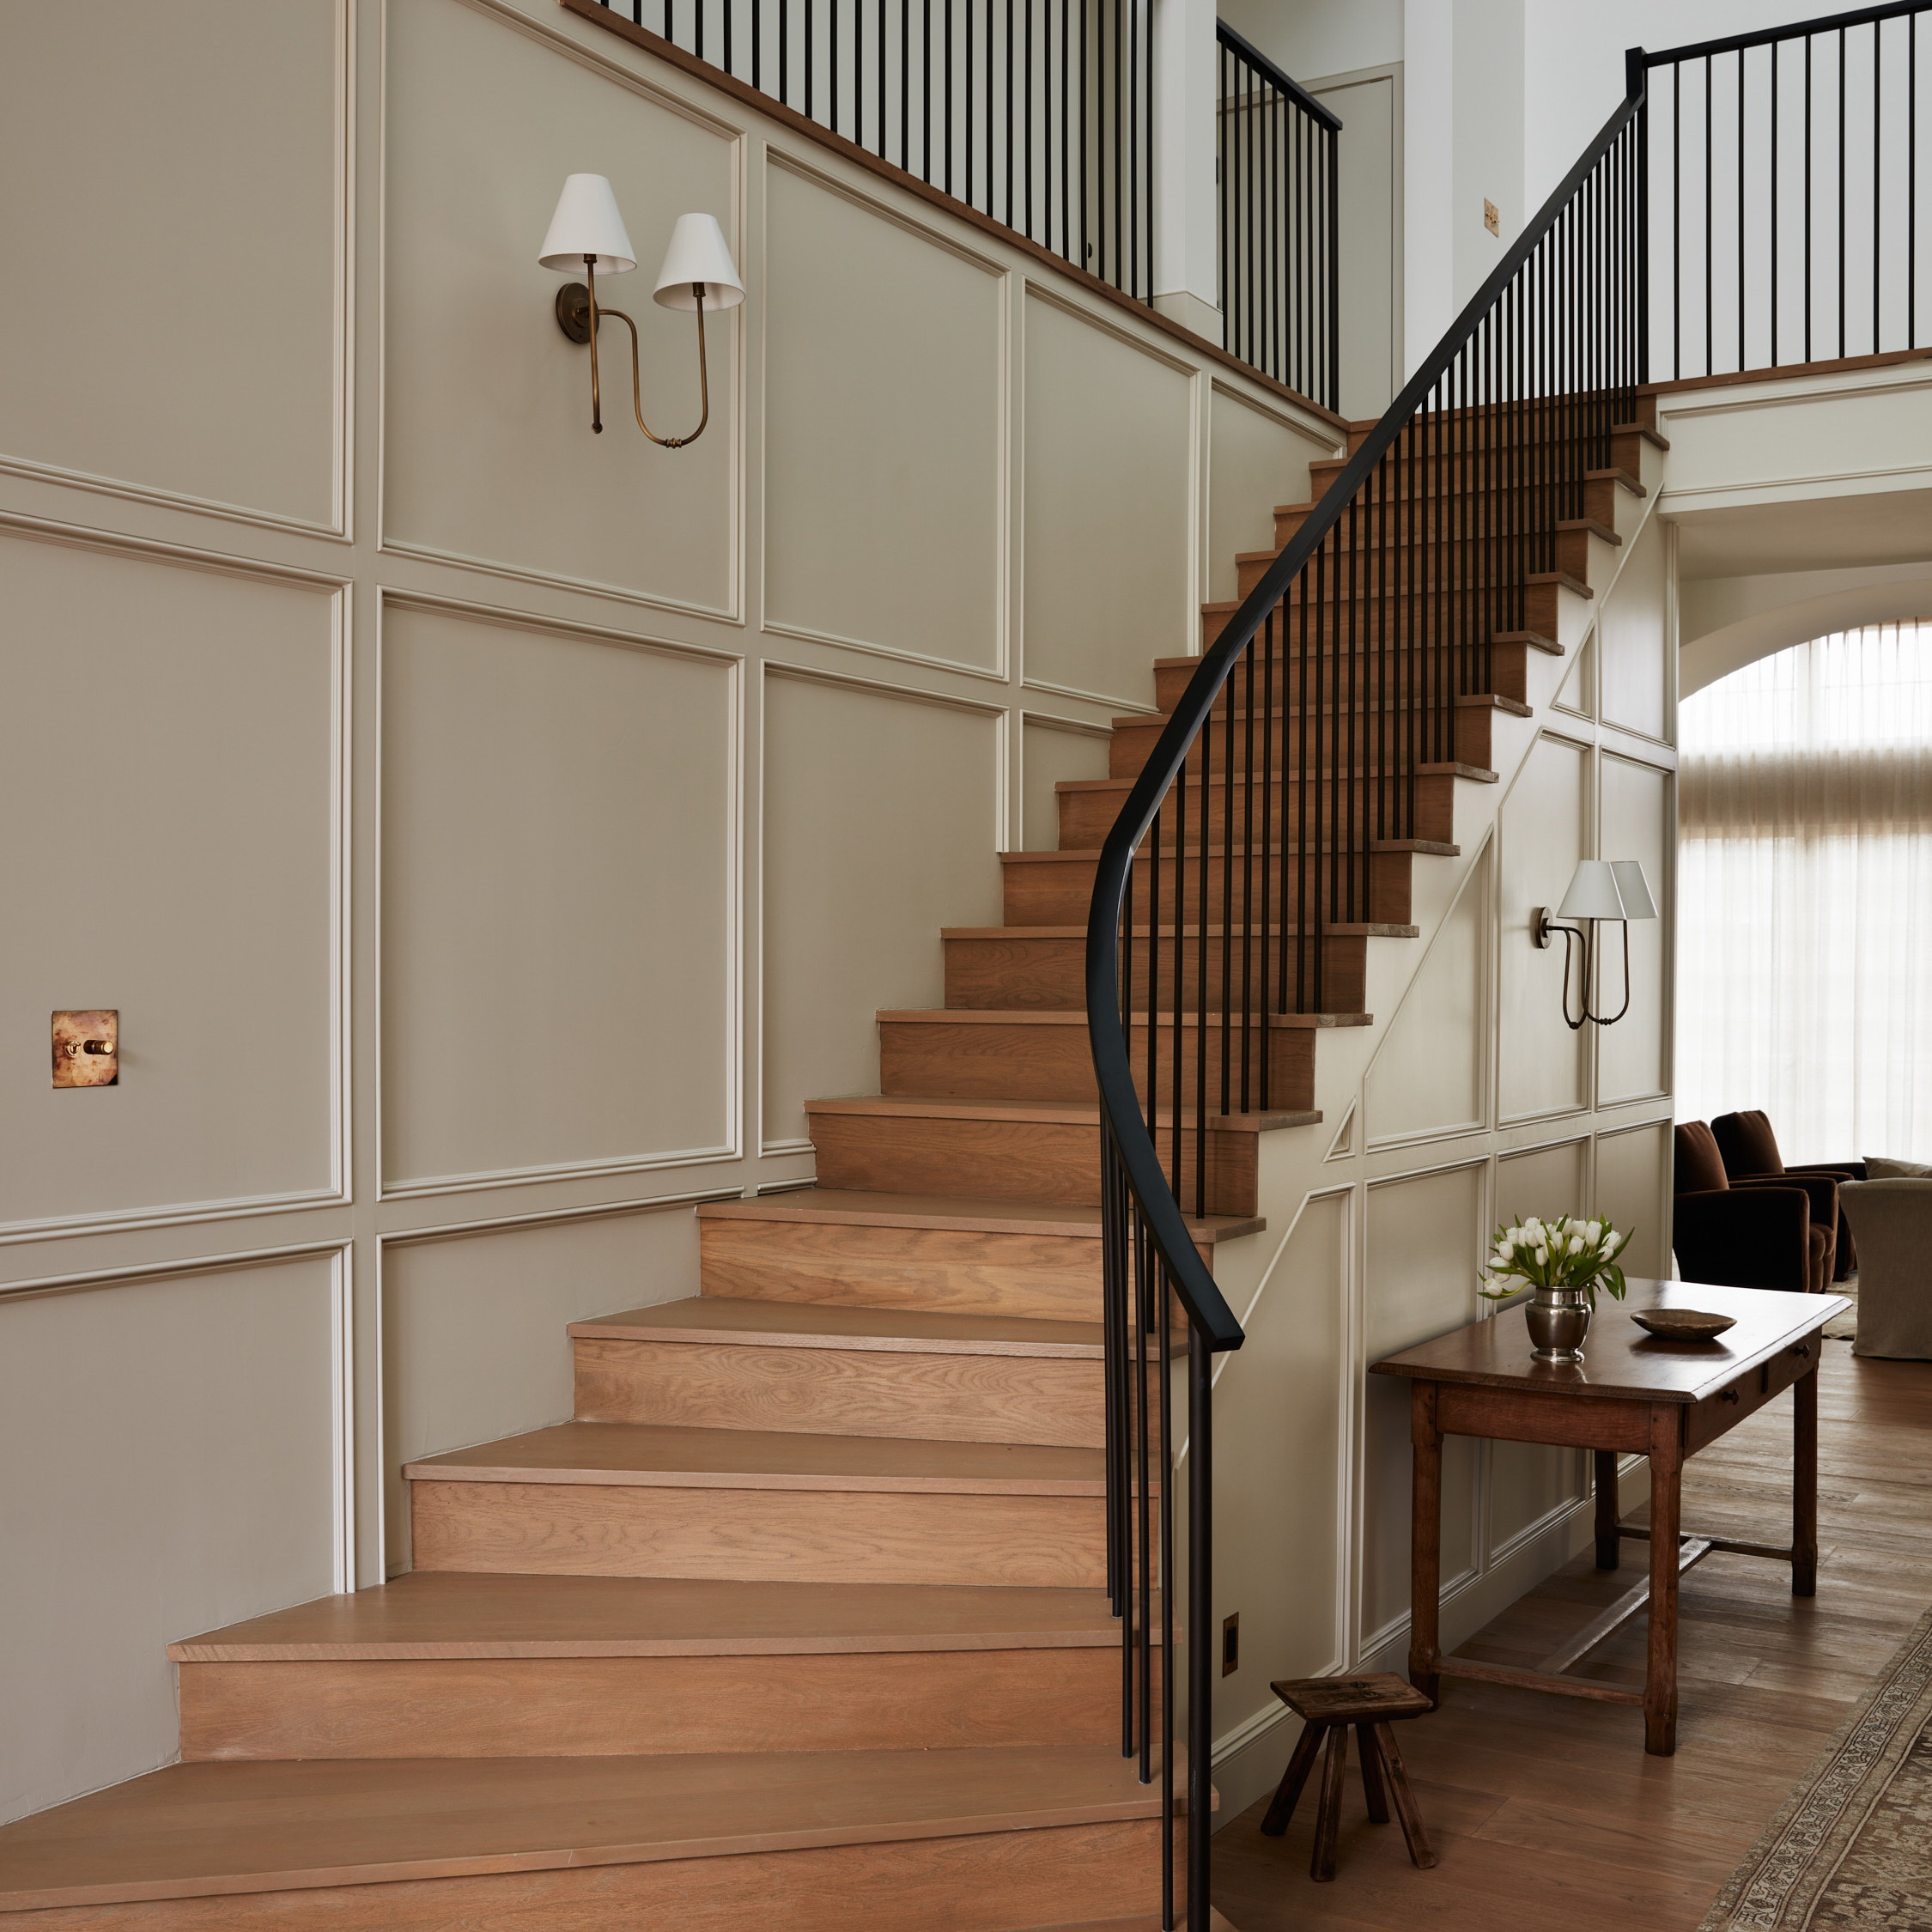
(1326, 1707)
(1377, 1699)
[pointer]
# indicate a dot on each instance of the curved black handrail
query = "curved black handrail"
(1441, 556)
(1206, 1307)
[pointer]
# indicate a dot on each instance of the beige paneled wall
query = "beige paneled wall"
(171, 1449)
(490, 832)
(1469, 1100)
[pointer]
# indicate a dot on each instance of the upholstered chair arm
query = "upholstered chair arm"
(1746, 1237)
(1822, 1190)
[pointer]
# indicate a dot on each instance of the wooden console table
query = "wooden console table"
(1635, 1394)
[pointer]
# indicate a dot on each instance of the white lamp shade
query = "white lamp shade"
(1593, 893)
(587, 222)
(697, 254)
(1633, 889)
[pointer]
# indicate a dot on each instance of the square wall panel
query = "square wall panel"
(171, 1458)
(1109, 435)
(1543, 831)
(1638, 822)
(487, 449)
(884, 429)
(882, 824)
(1255, 460)
(172, 231)
(168, 782)
(559, 853)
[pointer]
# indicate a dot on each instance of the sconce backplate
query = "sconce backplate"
(573, 311)
(87, 1048)
(1541, 931)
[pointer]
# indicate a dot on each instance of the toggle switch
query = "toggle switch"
(87, 1048)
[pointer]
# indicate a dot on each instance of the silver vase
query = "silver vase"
(1559, 1319)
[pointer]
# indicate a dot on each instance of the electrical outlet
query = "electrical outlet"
(1492, 217)
(1230, 1644)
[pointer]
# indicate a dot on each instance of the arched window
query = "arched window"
(1805, 896)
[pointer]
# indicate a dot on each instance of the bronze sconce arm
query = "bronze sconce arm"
(1543, 929)
(578, 313)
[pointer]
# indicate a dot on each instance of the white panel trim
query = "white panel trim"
(595, 1211)
(418, 1189)
(138, 1272)
(730, 612)
(1121, 704)
(771, 628)
(169, 1214)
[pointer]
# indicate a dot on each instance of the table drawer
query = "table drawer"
(1747, 1393)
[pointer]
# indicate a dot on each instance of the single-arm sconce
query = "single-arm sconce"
(1600, 889)
(587, 232)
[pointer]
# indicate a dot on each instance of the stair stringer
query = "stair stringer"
(1298, 1168)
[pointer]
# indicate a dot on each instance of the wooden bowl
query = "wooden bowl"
(1684, 1324)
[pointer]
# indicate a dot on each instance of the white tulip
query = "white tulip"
(1575, 1244)
(1542, 1257)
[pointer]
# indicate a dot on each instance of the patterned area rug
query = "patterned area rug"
(1851, 1849)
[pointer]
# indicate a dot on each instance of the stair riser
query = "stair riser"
(1321, 682)
(982, 1883)
(1086, 817)
(1464, 515)
(1048, 1278)
(546, 1707)
(1373, 572)
(1049, 975)
(842, 1391)
(1362, 624)
(1023, 1062)
(1507, 423)
(1013, 1160)
(1060, 894)
(1378, 737)
(814, 1536)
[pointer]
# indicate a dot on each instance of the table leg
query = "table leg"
(1327, 1820)
(1804, 1483)
(1660, 1674)
(1426, 1540)
(1609, 1544)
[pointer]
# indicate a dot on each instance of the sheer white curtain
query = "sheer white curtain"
(1805, 896)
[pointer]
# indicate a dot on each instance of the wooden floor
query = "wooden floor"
(1546, 1813)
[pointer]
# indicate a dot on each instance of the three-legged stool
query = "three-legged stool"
(1327, 1706)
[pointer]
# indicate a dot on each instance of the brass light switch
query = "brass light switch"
(87, 1047)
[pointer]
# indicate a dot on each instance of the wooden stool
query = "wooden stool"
(1329, 1705)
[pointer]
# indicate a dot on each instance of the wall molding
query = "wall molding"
(732, 612)
(489, 1179)
(133, 1273)
(595, 1211)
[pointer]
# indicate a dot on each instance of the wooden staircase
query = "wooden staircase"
(800, 1622)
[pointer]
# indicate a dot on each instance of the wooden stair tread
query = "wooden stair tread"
(1289, 781)
(204, 1830)
(1075, 1016)
(717, 1319)
(1382, 931)
(437, 1613)
(964, 1213)
(1394, 544)
(1562, 578)
(1433, 849)
(1057, 1113)
(644, 1455)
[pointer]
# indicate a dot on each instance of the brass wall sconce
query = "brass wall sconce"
(587, 232)
(1600, 889)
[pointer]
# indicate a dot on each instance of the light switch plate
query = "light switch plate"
(87, 1048)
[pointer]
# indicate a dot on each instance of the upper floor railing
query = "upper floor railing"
(1789, 190)
(1039, 114)
(1278, 182)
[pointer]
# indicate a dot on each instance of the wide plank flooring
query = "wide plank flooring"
(1544, 1812)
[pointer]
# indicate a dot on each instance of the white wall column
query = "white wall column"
(1186, 203)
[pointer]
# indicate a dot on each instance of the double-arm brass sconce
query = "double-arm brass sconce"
(587, 232)
(1601, 889)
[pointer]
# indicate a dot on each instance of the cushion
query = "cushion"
(1877, 1168)
(1699, 1166)
(1747, 1142)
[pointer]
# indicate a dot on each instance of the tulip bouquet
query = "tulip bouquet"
(1561, 1253)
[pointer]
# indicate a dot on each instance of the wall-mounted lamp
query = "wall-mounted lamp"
(1600, 889)
(587, 232)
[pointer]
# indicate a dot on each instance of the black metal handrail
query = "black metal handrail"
(1277, 178)
(1286, 770)
(1784, 192)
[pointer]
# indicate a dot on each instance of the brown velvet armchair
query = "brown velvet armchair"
(1755, 1233)
(1750, 1152)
